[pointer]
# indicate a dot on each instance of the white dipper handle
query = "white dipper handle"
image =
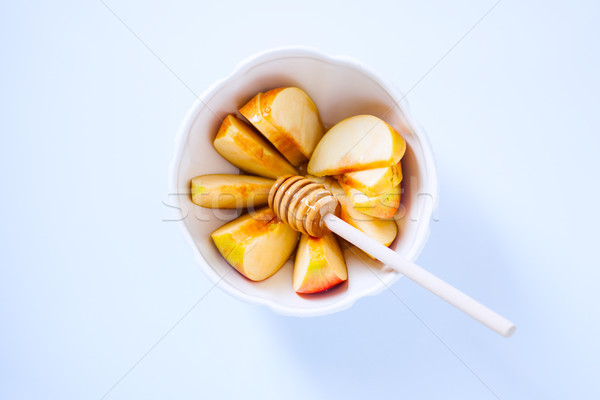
(424, 278)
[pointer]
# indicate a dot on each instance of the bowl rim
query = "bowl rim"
(431, 186)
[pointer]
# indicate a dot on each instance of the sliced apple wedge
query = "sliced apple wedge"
(256, 244)
(230, 191)
(239, 144)
(355, 144)
(289, 119)
(373, 182)
(383, 206)
(319, 264)
(327, 181)
(382, 230)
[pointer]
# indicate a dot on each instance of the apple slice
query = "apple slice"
(327, 181)
(382, 230)
(289, 119)
(319, 264)
(256, 244)
(230, 191)
(383, 206)
(373, 182)
(239, 144)
(355, 144)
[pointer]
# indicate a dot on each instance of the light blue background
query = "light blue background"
(92, 278)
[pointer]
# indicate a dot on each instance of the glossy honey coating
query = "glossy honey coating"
(302, 203)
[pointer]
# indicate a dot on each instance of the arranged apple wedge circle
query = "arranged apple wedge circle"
(358, 160)
(230, 191)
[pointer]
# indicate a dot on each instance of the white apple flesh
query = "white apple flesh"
(289, 119)
(239, 144)
(256, 244)
(373, 182)
(230, 191)
(319, 264)
(355, 144)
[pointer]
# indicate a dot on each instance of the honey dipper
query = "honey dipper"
(310, 208)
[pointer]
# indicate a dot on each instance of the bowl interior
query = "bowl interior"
(340, 89)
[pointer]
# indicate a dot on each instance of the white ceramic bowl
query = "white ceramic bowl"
(341, 87)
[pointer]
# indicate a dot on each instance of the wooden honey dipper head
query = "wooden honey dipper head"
(302, 204)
